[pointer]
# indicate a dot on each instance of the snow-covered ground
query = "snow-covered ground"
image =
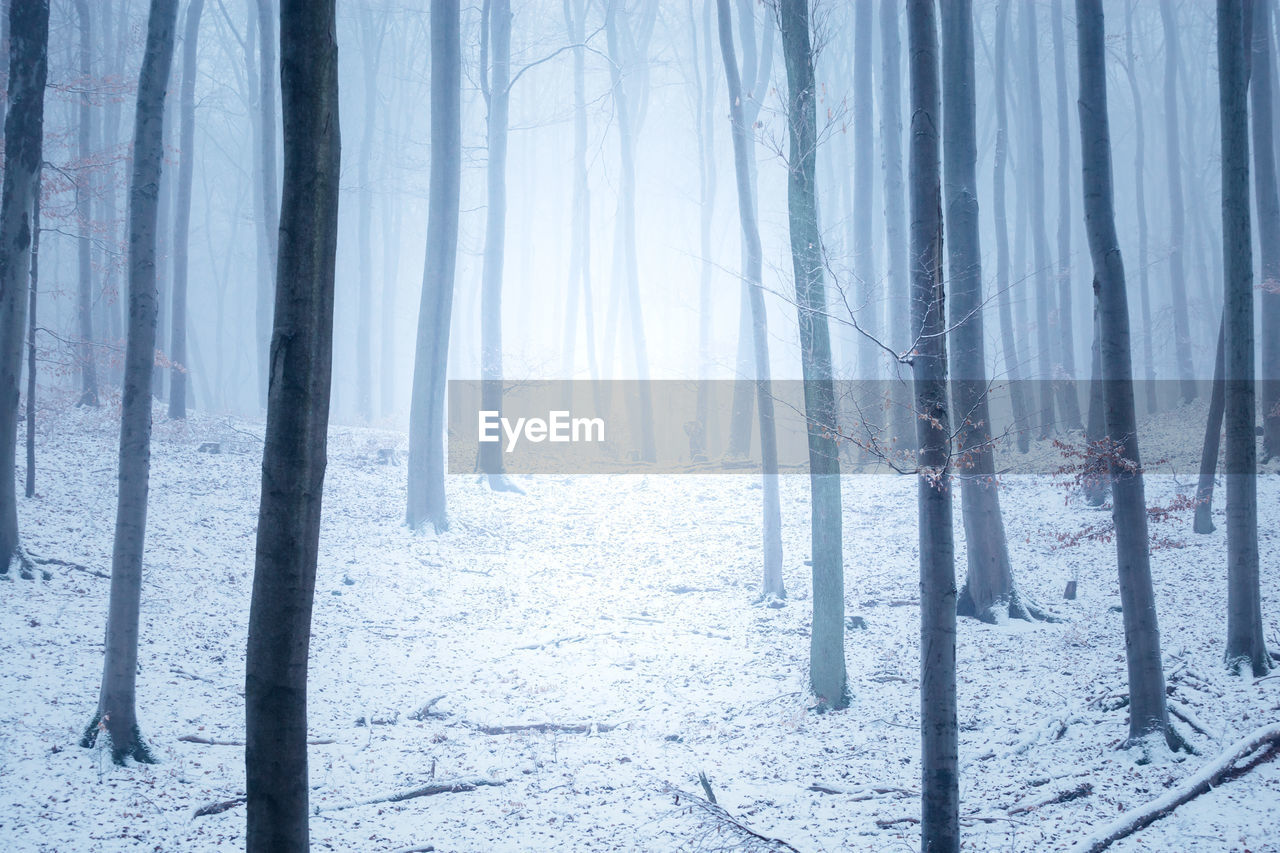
(620, 601)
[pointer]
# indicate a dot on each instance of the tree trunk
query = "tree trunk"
(869, 294)
(704, 116)
(1018, 389)
(1065, 375)
(1033, 169)
(989, 592)
(1212, 442)
(1140, 197)
(31, 337)
(426, 501)
(827, 675)
(23, 154)
(1148, 715)
(84, 213)
(268, 202)
(1177, 211)
(293, 459)
(1245, 643)
(371, 37)
(1264, 155)
(182, 216)
(901, 422)
(939, 728)
(1097, 485)
(575, 15)
(771, 584)
(117, 712)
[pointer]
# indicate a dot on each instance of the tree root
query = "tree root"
(135, 748)
(1014, 606)
(451, 786)
(1221, 769)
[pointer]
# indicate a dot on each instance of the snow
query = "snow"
(613, 600)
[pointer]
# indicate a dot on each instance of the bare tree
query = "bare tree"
(426, 500)
(84, 213)
(1268, 200)
(293, 459)
(1148, 715)
(1065, 372)
(827, 675)
(265, 76)
(117, 712)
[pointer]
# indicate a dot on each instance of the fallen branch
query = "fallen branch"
(205, 741)
(452, 786)
(54, 561)
(1187, 717)
(219, 807)
(1221, 769)
(858, 795)
(745, 837)
(428, 710)
(566, 728)
(1082, 790)
(885, 823)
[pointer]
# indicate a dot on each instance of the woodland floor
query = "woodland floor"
(620, 601)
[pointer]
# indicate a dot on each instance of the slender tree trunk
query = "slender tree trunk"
(1245, 643)
(1097, 484)
(575, 14)
(84, 213)
(426, 501)
(268, 201)
(989, 592)
(1212, 442)
(704, 116)
(1018, 389)
(1148, 715)
(392, 216)
(1065, 375)
(1033, 168)
(902, 420)
(1264, 155)
(182, 216)
(293, 459)
(771, 584)
(1140, 197)
(31, 337)
(371, 37)
(939, 728)
(117, 712)
(23, 154)
(827, 675)
(1177, 210)
(864, 263)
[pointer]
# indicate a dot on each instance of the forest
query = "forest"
(654, 425)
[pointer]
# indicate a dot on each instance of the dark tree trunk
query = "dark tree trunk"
(182, 216)
(265, 76)
(1065, 375)
(1212, 442)
(31, 337)
(23, 154)
(1033, 169)
(771, 583)
(1140, 198)
(117, 712)
(1246, 646)
(827, 675)
(939, 728)
(1018, 389)
(293, 459)
(84, 213)
(989, 592)
(426, 502)
(1148, 715)
(1264, 155)
(901, 420)
(1177, 210)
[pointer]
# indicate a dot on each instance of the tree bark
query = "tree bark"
(939, 728)
(371, 38)
(268, 201)
(293, 460)
(1177, 211)
(117, 712)
(1148, 715)
(1264, 155)
(575, 16)
(84, 215)
(182, 216)
(31, 338)
(426, 499)
(704, 117)
(1245, 643)
(1212, 442)
(1065, 375)
(827, 675)
(1140, 198)
(771, 584)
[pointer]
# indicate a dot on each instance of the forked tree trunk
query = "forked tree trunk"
(771, 584)
(1246, 646)
(182, 216)
(1148, 715)
(1177, 210)
(23, 154)
(989, 592)
(939, 728)
(117, 712)
(293, 458)
(426, 501)
(827, 676)
(84, 213)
